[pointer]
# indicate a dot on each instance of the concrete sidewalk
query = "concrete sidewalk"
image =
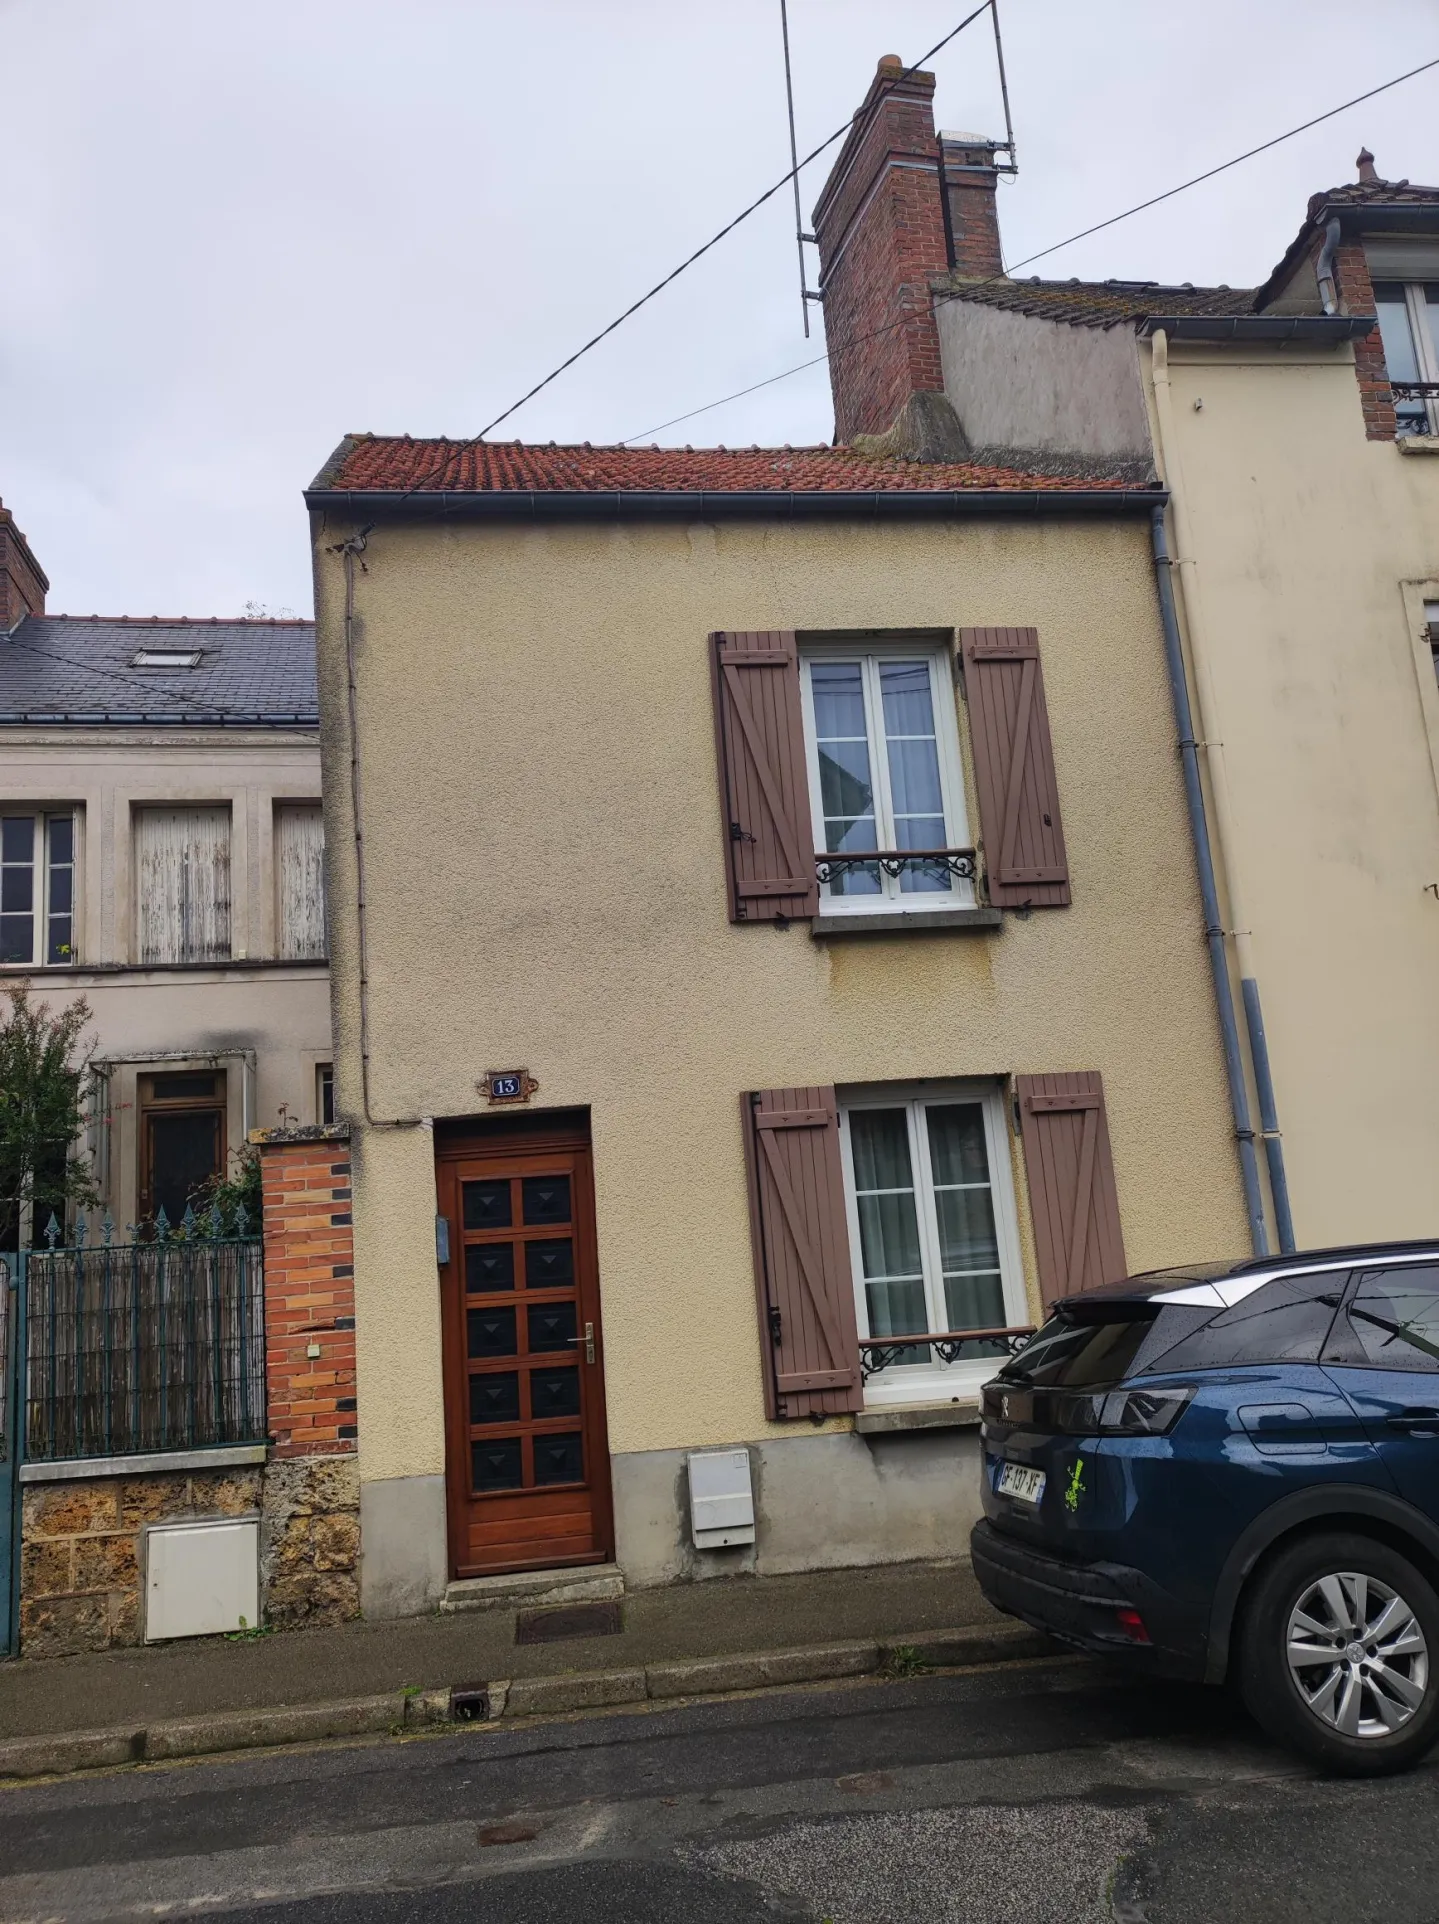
(684, 1639)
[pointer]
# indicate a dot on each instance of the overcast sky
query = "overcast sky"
(231, 233)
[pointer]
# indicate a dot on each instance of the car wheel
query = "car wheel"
(1339, 1654)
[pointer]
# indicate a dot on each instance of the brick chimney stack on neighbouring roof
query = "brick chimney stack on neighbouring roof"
(23, 581)
(900, 205)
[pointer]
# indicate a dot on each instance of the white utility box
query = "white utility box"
(721, 1501)
(201, 1578)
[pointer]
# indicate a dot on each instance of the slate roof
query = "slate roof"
(396, 464)
(1098, 303)
(78, 668)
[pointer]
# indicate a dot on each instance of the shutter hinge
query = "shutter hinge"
(738, 834)
(775, 1322)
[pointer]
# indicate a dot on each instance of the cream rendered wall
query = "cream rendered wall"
(1311, 546)
(544, 873)
(1019, 381)
(276, 1013)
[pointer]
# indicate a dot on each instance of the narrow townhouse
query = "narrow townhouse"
(161, 854)
(768, 969)
(1295, 427)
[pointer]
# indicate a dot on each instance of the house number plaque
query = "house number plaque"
(507, 1085)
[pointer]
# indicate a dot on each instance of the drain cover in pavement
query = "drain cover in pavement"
(570, 1620)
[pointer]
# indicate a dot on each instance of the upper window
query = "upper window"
(932, 1232)
(1431, 625)
(1409, 330)
(182, 882)
(884, 774)
(37, 888)
(300, 881)
(1393, 1319)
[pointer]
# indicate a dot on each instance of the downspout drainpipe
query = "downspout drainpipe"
(1208, 892)
(1168, 449)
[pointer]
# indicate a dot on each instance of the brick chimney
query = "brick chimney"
(900, 205)
(23, 581)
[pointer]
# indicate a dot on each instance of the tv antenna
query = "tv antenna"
(801, 238)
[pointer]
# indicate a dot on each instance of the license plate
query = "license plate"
(1017, 1481)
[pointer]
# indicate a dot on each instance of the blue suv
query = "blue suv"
(1231, 1470)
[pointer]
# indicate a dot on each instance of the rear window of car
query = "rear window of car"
(1285, 1321)
(1081, 1348)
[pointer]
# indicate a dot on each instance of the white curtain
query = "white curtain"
(182, 869)
(300, 873)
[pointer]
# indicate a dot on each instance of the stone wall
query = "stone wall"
(310, 1541)
(82, 1564)
(82, 1555)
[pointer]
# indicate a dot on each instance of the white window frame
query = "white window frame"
(1422, 335)
(937, 1381)
(870, 652)
(43, 815)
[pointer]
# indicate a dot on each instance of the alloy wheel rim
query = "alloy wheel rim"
(1357, 1655)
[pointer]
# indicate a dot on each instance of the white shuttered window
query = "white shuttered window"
(300, 877)
(182, 869)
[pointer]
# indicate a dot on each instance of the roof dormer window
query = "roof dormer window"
(166, 658)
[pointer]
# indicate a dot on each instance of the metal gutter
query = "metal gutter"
(543, 504)
(1185, 564)
(119, 718)
(1325, 330)
(1209, 892)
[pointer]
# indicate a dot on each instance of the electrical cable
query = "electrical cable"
(688, 262)
(857, 340)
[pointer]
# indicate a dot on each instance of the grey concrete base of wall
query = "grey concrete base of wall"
(822, 1502)
(404, 1554)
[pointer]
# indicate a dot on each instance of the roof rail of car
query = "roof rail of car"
(1357, 1252)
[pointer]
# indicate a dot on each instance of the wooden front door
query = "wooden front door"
(528, 1459)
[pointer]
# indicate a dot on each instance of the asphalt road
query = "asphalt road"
(1052, 1793)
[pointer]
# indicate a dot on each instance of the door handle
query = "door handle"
(588, 1339)
(1414, 1422)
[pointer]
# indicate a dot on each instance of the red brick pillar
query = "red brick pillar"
(310, 1501)
(309, 1291)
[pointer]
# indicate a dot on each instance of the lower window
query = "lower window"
(933, 1234)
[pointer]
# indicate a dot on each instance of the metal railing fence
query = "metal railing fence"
(155, 1343)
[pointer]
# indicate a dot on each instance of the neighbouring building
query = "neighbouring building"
(1296, 428)
(767, 950)
(161, 854)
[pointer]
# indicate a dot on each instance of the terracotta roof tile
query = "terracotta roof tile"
(395, 464)
(1097, 303)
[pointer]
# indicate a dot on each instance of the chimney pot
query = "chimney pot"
(1365, 164)
(890, 63)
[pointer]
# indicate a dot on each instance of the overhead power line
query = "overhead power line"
(857, 340)
(715, 239)
(688, 262)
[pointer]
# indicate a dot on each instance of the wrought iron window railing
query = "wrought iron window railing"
(1414, 405)
(154, 1343)
(878, 1353)
(958, 862)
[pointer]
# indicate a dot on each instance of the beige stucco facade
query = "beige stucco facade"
(1307, 554)
(544, 873)
(264, 1023)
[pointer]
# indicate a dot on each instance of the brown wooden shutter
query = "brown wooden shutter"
(1024, 857)
(764, 787)
(1072, 1197)
(808, 1333)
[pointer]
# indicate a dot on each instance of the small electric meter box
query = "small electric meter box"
(721, 1501)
